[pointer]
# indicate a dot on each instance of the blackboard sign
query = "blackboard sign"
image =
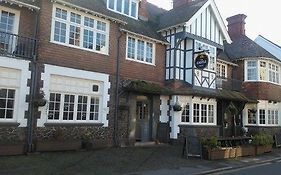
(201, 61)
(277, 140)
(192, 147)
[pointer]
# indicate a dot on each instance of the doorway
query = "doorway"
(143, 120)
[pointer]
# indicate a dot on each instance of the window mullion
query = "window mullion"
(61, 107)
(76, 108)
(88, 108)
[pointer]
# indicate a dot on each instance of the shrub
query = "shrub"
(262, 139)
(210, 142)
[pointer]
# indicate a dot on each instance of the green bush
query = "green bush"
(210, 142)
(262, 139)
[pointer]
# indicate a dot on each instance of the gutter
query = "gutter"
(19, 3)
(117, 81)
(33, 91)
(143, 36)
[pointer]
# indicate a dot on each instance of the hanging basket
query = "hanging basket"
(177, 107)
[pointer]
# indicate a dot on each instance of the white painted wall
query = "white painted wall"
(73, 80)
(14, 74)
(164, 108)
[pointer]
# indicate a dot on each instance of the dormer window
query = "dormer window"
(125, 7)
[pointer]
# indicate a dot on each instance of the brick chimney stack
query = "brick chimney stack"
(178, 3)
(143, 13)
(236, 26)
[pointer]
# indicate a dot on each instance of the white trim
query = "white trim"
(80, 74)
(136, 50)
(88, 11)
(22, 90)
(121, 13)
(17, 18)
(217, 15)
(82, 27)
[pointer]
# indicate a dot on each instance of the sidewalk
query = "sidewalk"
(159, 159)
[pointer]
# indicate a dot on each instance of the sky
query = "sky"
(263, 16)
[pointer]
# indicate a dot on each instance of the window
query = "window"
(7, 101)
(203, 113)
(262, 116)
(125, 7)
(252, 70)
(273, 71)
(196, 113)
(211, 114)
(81, 31)
(252, 119)
(273, 117)
(221, 70)
(262, 70)
(72, 107)
(185, 114)
(7, 22)
(140, 50)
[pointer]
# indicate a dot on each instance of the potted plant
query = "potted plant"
(39, 99)
(177, 107)
(263, 143)
(212, 150)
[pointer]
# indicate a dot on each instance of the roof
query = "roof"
(270, 41)
(222, 55)
(145, 28)
(179, 15)
(34, 4)
(244, 47)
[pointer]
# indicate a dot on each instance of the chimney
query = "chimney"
(143, 13)
(236, 26)
(178, 3)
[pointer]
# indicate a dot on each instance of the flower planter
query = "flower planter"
(11, 149)
(218, 153)
(58, 145)
(239, 151)
(232, 152)
(247, 150)
(263, 149)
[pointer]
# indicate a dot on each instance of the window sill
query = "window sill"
(80, 48)
(9, 124)
(138, 61)
(73, 124)
(264, 126)
(200, 125)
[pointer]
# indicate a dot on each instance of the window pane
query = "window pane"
(60, 32)
(101, 26)
(88, 39)
(7, 100)
(94, 108)
(89, 22)
(134, 9)
(211, 114)
(140, 51)
(149, 52)
(185, 114)
(61, 13)
(7, 22)
(119, 5)
(82, 108)
(100, 42)
(68, 108)
(74, 35)
(75, 18)
(203, 113)
(196, 113)
(262, 116)
(126, 6)
(54, 106)
(251, 117)
(111, 4)
(131, 48)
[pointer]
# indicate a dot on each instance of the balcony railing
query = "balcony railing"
(229, 84)
(17, 46)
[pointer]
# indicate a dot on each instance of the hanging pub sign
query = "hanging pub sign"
(201, 60)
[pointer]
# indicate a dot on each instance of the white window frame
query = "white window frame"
(82, 27)
(62, 101)
(14, 117)
(186, 114)
(146, 42)
(219, 70)
(17, 17)
(267, 72)
(122, 10)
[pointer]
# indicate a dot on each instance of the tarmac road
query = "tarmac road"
(270, 168)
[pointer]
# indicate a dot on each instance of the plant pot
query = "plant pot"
(58, 145)
(218, 153)
(232, 152)
(263, 149)
(11, 149)
(248, 150)
(239, 152)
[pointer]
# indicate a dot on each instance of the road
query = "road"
(271, 168)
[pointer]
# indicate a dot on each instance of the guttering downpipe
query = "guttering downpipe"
(115, 127)
(33, 89)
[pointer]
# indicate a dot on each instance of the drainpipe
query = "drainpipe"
(33, 90)
(115, 129)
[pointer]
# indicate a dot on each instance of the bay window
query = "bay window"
(73, 108)
(140, 50)
(125, 7)
(72, 28)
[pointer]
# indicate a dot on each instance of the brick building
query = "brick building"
(117, 72)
